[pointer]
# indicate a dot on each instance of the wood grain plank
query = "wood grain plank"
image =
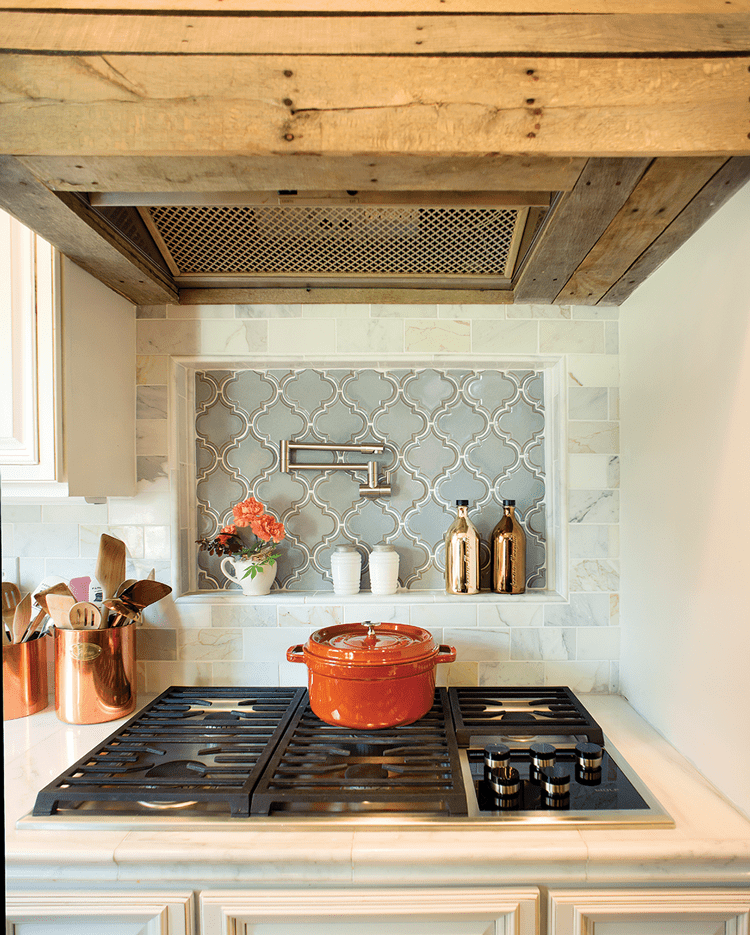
(575, 225)
(392, 7)
(733, 175)
(172, 105)
(85, 34)
(664, 190)
(302, 171)
(110, 259)
(319, 296)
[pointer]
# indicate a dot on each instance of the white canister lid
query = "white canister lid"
(384, 547)
(344, 548)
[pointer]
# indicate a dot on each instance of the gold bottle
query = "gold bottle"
(509, 553)
(462, 554)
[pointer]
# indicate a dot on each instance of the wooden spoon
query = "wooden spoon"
(85, 616)
(11, 597)
(21, 619)
(110, 564)
(40, 598)
(141, 594)
(58, 606)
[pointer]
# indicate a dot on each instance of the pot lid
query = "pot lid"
(371, 643)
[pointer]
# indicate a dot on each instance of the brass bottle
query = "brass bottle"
(462, 554)
(509, 553)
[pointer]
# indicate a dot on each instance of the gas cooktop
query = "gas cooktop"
(200, 758)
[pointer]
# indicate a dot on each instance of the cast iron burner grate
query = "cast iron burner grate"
(188, 746)
(320, 768)
(519, 712)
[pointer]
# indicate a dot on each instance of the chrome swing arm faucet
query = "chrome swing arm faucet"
(371, 489)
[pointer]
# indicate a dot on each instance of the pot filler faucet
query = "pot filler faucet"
(371, 489)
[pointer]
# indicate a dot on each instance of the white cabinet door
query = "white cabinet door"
(380, 911)
(99, 913)
(649, 912)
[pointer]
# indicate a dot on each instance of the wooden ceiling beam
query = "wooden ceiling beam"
(100, 33)
(175, 105)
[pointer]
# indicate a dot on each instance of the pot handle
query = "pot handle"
(295, 653)
(445, 654)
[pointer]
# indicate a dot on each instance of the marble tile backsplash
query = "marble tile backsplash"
(570, 639)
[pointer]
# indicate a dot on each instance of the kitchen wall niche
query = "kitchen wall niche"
(482, 434)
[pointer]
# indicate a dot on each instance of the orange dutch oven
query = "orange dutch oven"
(371, 675)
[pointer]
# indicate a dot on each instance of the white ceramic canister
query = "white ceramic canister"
(384, 569)
(346, 567)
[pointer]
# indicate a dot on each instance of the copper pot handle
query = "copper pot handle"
(296, 653)
(445, 654)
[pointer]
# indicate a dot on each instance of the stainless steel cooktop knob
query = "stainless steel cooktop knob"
(589, 756)
(555, 782)
(542, 759)
(496, 756)
(505, 781)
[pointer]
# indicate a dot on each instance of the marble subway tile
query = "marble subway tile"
(243, 615)
(588, 402)
(178, 616)
(6, 534)
(150, 311)
(151, 369)
(502, 614)
(151, 504)
(593, 437)
(151, 402)
(132, 536)
(543, 643)
(588, 541)
(292, 675)
(595, 575)
(335, 311)
(157, 542)
(151, 467)
(161, 675)
(425, 336)
(475, 645)
(588, 472)
(612, 337)
(467, 312)
(151, 437)
(156, 644)
(515, 673)
(310, 615)
(388, 613)
(614, 541)
(593, 370)
(21, 513)
(231, 336)
(571, 337)
(403, 311)
(505, 337)
(598, 643)
(188, 312)
(72, 513)
(208, 644)
(301, 337)
(241, 674)
(613, 471)
(46, 540)
(578, 676)
(594, 506)
(459, 673)
(582, 610)
(380, 336)
(614, 609)
(443, 615)
(595, 312)
(539, 312)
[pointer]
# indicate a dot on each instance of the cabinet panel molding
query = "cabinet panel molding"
(371, 912)
(649, 912)
(116, 913)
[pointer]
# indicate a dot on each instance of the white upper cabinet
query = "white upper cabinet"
(67, 376)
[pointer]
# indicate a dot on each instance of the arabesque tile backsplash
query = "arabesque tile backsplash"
(570, 638)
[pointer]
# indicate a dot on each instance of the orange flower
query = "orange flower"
(229, 530)
(266, 528)
(247, 511)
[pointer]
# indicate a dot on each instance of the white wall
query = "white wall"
(685, 523)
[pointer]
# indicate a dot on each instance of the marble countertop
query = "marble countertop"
(710, 843)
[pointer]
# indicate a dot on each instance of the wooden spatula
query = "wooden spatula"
(21, 619)
(85, 616)
(110, 564)
(59, 606)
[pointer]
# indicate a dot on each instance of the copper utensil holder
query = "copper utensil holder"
(95, 674)
(24, 678)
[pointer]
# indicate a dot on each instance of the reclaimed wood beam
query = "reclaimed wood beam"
(273, 105)
(663, 191)
(574, 226)
(731, 177)
(305, 172)
(82, 33)
(86, 240)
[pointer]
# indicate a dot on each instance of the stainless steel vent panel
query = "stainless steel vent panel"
(340, 240)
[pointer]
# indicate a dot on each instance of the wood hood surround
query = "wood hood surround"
(632, 118)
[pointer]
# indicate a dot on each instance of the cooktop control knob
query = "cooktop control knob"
(555, 782)
(496, 756)
(542, 759)
(505, 781)
(589, 756)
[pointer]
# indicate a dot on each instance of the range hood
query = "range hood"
(422, 151)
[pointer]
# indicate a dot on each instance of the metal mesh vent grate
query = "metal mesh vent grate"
(351, 239)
